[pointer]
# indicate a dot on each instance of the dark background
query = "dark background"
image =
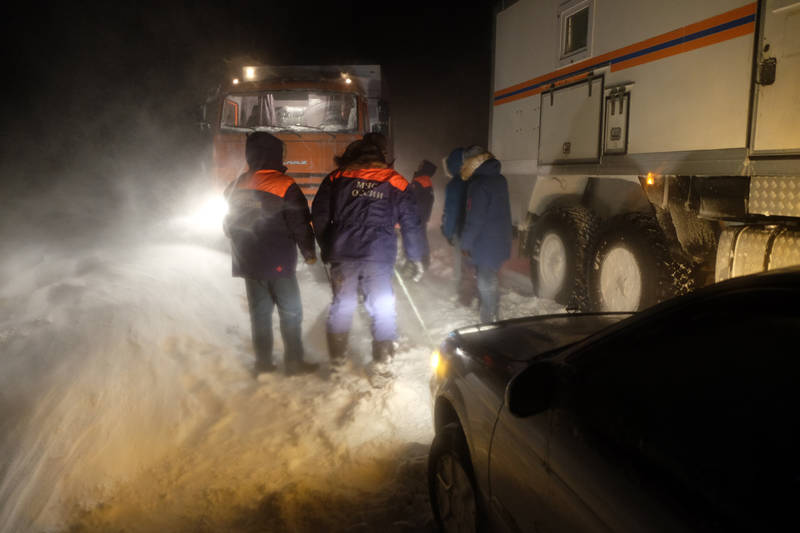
(110, 90)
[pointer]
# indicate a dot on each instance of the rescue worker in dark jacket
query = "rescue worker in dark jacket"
(486, 236)
(453, 215)
(354, 212)
(422, 188)
(268, 218)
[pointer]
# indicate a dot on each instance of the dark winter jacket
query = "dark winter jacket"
(267, 217)
(455, 196)
(422, 188)
(487, 226)
(355, 212)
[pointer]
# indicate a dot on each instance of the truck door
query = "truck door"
(777, 99)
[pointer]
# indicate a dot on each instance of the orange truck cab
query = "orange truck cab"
(315, 110)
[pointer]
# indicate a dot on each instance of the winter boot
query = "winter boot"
(337, 345)
(296, 368)
(382, 351)
(379, 371)
(263, 366)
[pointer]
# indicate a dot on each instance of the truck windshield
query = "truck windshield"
(291, 110)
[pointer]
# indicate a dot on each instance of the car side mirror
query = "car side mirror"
(531, 391)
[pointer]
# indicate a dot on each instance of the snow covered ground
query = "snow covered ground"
(126, 401)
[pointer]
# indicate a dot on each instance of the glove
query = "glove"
(416, 270)
(311, 260)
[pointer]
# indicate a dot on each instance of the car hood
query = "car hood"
(522, 339)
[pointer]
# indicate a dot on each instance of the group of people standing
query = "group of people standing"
(353, 217)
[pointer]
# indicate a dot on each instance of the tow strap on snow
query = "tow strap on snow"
(413, 306)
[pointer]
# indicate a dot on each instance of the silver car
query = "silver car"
(679, 418)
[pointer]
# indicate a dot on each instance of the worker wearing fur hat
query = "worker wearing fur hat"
(355, 212)
(486, 236)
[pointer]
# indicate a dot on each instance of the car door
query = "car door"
(685, 422)
(518, 474)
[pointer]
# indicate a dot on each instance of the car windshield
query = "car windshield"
(298, 111)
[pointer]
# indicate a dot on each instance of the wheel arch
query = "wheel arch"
(444, 413)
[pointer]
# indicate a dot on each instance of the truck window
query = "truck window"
(575, 30)
(291, 110)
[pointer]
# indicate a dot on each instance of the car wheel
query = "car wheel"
(632, 268)
(558, 243)
(451, 483)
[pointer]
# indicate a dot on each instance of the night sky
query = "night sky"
(125, 80)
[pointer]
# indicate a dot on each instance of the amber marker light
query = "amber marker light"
(650, 178)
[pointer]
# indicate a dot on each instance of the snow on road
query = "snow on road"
(126, 401)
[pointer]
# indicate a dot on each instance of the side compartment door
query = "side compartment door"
(777, 77)
(570, 123)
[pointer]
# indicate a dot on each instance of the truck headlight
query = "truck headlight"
(208, 215)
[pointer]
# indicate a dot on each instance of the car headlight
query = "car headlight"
(438, 364)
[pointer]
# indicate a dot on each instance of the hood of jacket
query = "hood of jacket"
(452, 163)
(473, 163)
(426, 168)
(264, 152)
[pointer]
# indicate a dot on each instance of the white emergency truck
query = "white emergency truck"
(649, 146)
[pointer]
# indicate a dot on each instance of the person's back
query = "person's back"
(356, 209)
(487, 225)
(265, 212)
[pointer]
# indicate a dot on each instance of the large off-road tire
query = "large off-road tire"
(631, 266)
(558, 242)
(451, 483)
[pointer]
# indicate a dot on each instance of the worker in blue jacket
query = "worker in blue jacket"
(267, 220)
(453, 215)
(486, 237)
(355, 212)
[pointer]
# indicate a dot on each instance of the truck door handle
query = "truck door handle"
(766, 71)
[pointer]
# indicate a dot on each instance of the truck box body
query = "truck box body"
(591, 92)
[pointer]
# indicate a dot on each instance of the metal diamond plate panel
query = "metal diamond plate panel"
(775, 196)
(785, 250)
(751, 250)
(724, 254)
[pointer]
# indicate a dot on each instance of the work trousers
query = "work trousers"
(488, 293)
(262, 297)
(374, 279)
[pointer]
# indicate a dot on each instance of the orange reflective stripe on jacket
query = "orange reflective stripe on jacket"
(374, 174)
(425, 181)
(271, 181)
